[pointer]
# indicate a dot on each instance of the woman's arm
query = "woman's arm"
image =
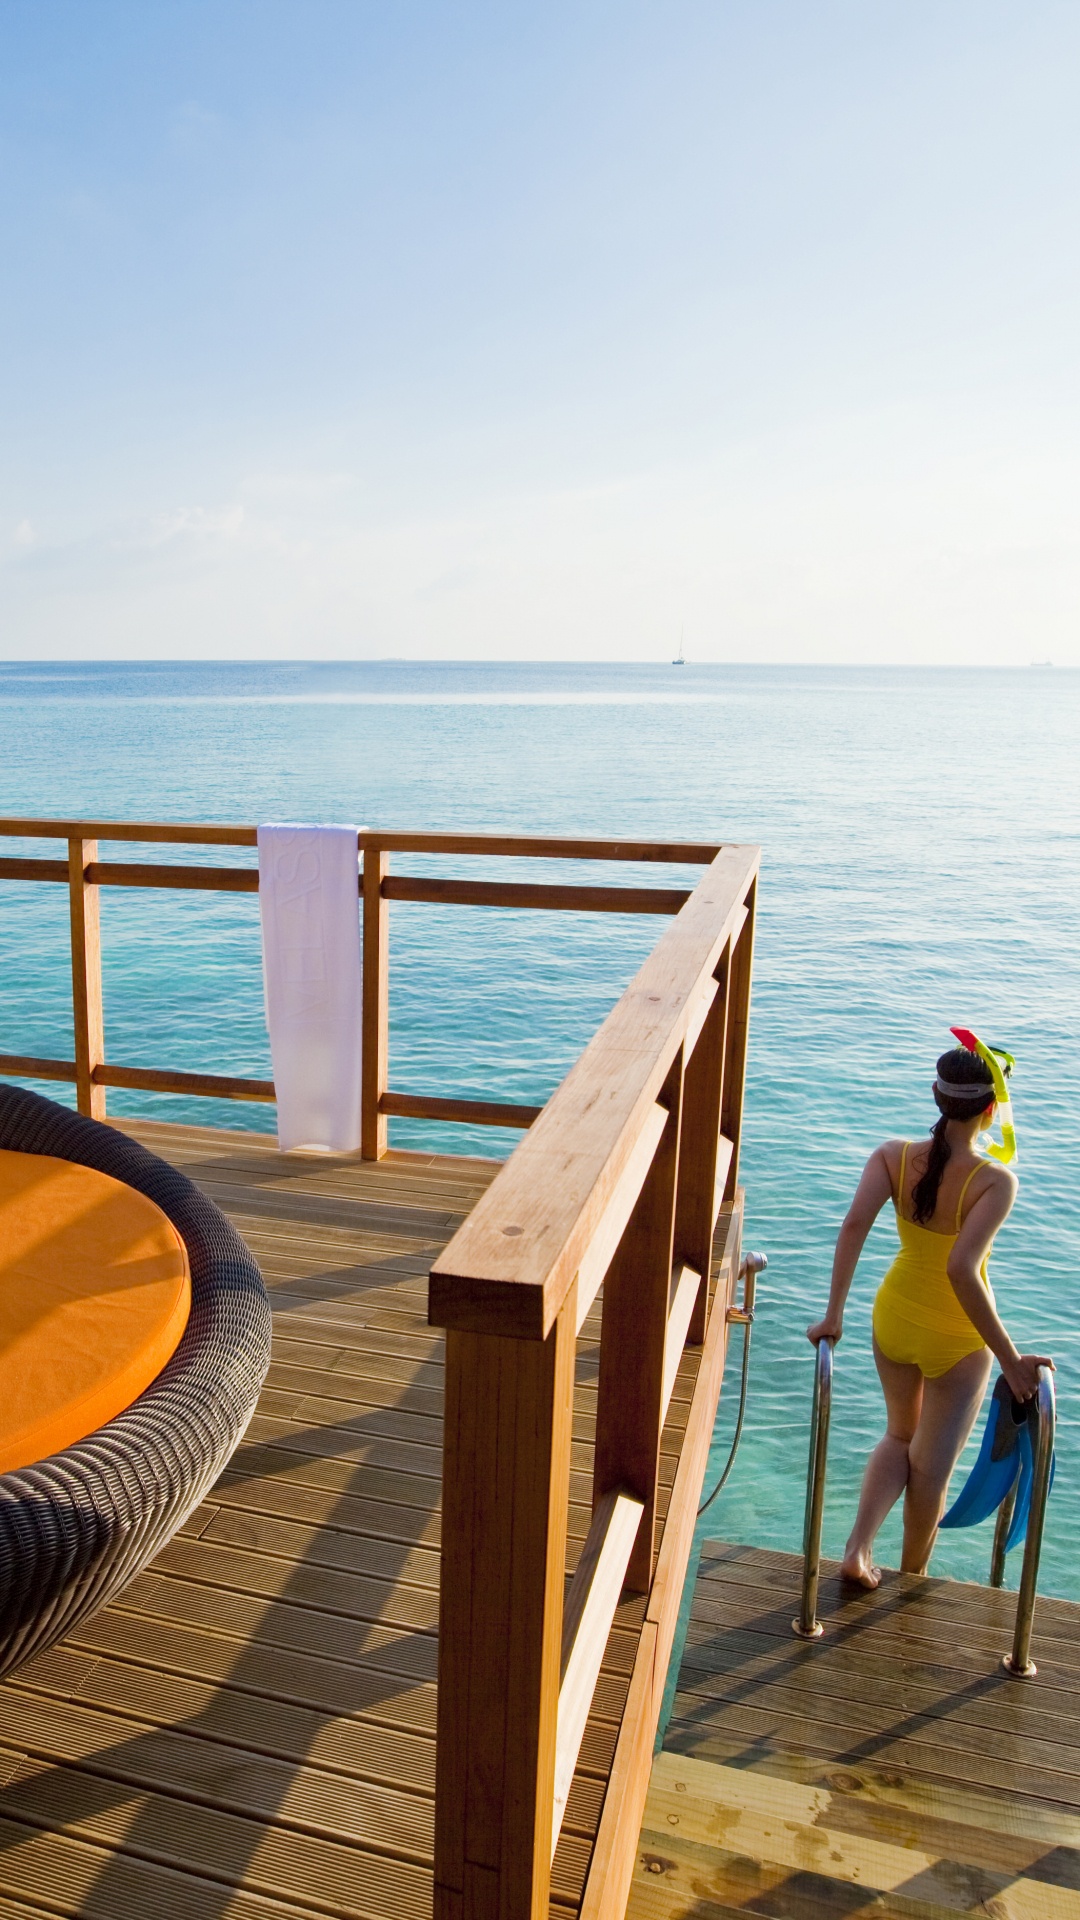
(973, 1243)
(873, 1190)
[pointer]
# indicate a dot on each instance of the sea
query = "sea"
(920, 868)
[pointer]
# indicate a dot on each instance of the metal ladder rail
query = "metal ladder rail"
(807, 1625)
(1019, 1662)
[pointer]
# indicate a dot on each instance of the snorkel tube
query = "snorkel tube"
(993, 1057)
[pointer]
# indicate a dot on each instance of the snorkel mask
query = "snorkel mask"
(993, 1057)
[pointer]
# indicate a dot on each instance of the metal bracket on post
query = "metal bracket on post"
(752, 1265)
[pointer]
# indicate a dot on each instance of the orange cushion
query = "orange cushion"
(94, 1297)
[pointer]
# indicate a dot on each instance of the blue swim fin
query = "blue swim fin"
(1001, 1460)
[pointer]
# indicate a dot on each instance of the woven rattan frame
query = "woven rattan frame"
(77, 1527)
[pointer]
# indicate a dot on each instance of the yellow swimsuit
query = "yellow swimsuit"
(918, 1320)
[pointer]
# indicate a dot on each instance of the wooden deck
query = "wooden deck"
(890, 1769)
(249, 1731)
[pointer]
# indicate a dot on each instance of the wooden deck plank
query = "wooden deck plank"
(293, 1499)
(259, 1463)
(62, 1875)
(252, 1729)
(262, 1856)
(889, 1671)
(890, 1767)
(857, 1627)
(247, 1733)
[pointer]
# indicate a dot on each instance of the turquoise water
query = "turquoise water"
(920, 870)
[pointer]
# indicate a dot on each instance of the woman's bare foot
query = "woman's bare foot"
(858, 1565)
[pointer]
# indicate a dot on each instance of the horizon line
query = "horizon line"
(470, 660)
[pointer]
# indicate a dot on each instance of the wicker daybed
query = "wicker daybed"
(76, 1527)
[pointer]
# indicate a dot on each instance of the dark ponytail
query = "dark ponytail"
(961, 1068)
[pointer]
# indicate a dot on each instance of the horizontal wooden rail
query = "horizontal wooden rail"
(24, 1066)
(478, 1113)
(510, 893)
(148, 832)
(129, 873)
(394, 888)
(529, 895)
(132, 873)
(54, 870)
(216, 1086)
(463, 893)
(490, 845)
(533, 847)
(211, 1086)
(432, 892)
(588, 1611)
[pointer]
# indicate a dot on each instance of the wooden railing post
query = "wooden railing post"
(742, 967)
(506, 1482)
(376, 1005)
(633, 1342)
(86, 978)
(699, 1143)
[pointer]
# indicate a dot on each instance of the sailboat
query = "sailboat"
(680, 657)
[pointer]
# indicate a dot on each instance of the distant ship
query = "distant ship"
(680, 657)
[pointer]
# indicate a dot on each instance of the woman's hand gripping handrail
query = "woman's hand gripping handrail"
(807, 1625)
(1019, 1662)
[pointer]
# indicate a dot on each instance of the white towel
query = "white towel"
(310, 911)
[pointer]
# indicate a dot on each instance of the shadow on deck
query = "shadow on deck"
(891, 1768)
(250, 1730)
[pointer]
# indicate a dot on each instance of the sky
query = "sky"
(335, 329)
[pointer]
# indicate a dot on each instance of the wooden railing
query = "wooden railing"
(618, 1183)
(84, 875)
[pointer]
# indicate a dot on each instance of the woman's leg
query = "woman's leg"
(950, 1406)
(886, 1473)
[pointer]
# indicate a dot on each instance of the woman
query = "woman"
(936, 1326)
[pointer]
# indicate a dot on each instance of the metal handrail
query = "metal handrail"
(1019, 1662)
(807, 1625)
